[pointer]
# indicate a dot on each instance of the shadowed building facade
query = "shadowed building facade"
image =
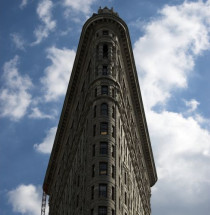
(102, 162)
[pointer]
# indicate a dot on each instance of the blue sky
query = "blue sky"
(171, 44)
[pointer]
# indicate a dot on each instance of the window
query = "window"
(103, 148)
(113, 93)
(104, 90)
(92, 192)
(112, 151)
(104, 109)
(113, 112)
(96, 92)
(78, 180)
(112, 171)
(102, 210)
(102, 190)
(94, 111)
(125, 198)
(125, 178)
(93, 170)
(94, 150)
(105, 51)
(105, 32)
(113, 131)
(77, 202)
(103, 168)
(105, 70)
(113, 212)
(92, 211)
(112, 193)
(94, 130)
(104, 128)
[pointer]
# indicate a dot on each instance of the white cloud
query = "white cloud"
(165, 55)
(83, 6)
(26, 199)
(14, 96)
(182, 154)
(18, 40)
(192, 105)
(47, 143)
(23, 4)
(37, 114)
(58, 73)
(44, 11)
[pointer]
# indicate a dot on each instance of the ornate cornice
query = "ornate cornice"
(104, 16)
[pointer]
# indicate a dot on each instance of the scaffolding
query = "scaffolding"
(44, 199)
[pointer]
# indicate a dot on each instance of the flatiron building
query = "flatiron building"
(102, 161)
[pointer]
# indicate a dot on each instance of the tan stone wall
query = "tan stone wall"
(71, 190)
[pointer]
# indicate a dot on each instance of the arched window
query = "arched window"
(104, 109)
(105, 51)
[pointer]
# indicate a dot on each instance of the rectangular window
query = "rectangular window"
(93, 170)
(113, 151)
(94, 150)
(125, 178)
(105, 32)
(78, 180)
(104, 128)
(105, 70)
(113, 131)
(103, 168)
(96, 92)
(104, 90)
(113, 212)
(94, 130)
(113, 93)
(103, 148)
(113, 112)
(92, 212)
(112, 193)
(125, 198)
(102, 210)
(112, 171)
(92, 192)
(94, 111)
(102, 190)
(77, 202)
(105, 51)
(104, 109)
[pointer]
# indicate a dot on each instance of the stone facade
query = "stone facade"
(102, 162)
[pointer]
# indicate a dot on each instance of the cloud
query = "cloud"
(83, 6)
(23, 4)
(58, 73)
(47, 143)
(37, 114)
(18, 41)
(26, 199)
(44, 11)
(192, 104)
(182, 154)
(14, 95)
(165, 55)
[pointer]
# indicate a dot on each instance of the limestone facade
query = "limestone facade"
(102, 162)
